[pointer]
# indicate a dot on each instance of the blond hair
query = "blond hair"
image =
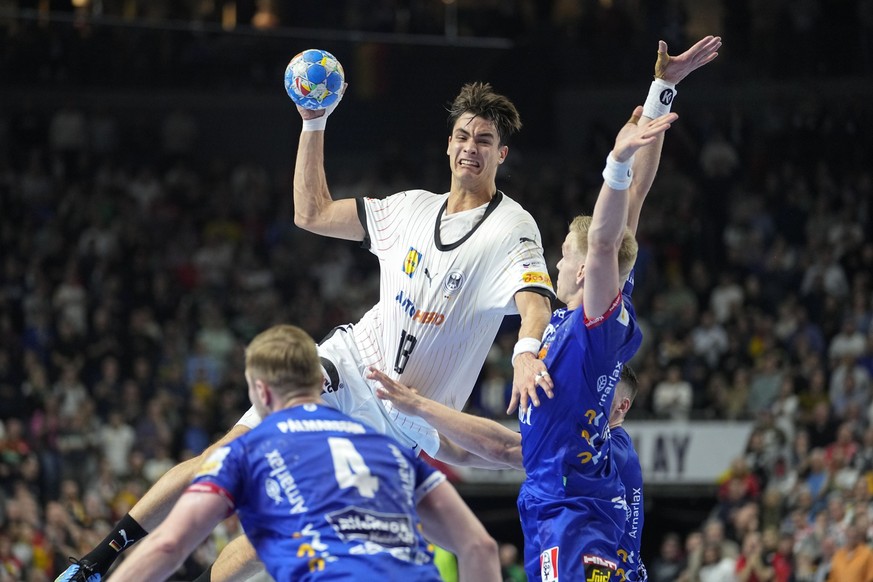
(285, 358)
(627, 252)
(481, 100)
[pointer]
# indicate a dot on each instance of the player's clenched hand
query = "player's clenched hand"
(635, 135)
(316, 113)
(405, 399)
(528, 373)
(674, 69)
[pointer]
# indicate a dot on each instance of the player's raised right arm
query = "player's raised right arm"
(314, 209)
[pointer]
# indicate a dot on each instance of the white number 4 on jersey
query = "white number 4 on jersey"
(350, 469)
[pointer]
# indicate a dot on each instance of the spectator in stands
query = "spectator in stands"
(785, 407)
(822, 427)
(848, 343)
(850, 384)
(510, 567)
(726, 298)
(845, 444)
(739, 482)
(752, 565)
(673, 396)
(715, 566)
(863, 459)
(116, 441)
(669, 561)
(854, 560)
(825, 561)
(782, 556)
(709, 340)
(766, 380)
(693, 555)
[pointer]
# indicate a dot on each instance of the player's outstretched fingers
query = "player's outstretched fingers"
(658, 126)
(533, 398)
(514, 401)
(663, 60)
(544, 381)
(388, 385)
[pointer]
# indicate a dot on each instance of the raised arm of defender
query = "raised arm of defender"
(609, 219)
(670, 70)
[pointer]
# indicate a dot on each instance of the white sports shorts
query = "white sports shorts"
(347, 389)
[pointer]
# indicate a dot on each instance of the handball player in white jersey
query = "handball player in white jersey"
(452, 265)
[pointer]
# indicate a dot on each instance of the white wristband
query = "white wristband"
(317, 124)
(525, 344)
(660, 98)
(618, 175)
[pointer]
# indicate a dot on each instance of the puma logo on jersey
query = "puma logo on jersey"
(120, 546)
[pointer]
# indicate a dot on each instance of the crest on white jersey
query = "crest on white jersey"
(453, 282)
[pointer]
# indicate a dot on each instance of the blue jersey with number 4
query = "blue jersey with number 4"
(324, 497)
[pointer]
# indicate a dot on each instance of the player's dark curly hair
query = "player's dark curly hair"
(481, 100)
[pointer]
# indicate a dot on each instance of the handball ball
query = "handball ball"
(314, 79)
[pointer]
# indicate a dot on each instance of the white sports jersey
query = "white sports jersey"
(442, 302)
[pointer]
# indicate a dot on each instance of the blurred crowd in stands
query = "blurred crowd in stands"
(165, 43)
(129, 285)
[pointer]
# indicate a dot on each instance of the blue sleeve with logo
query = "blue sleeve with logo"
(628, 464)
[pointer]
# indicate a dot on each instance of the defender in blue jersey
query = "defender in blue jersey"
(572, 503)
(499, 444)
(320, 495)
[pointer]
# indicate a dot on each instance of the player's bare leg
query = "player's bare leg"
(143, 517)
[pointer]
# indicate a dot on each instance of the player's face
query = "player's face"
(474, 149)
(569, 268)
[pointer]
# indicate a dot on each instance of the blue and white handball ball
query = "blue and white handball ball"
(314, 79)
